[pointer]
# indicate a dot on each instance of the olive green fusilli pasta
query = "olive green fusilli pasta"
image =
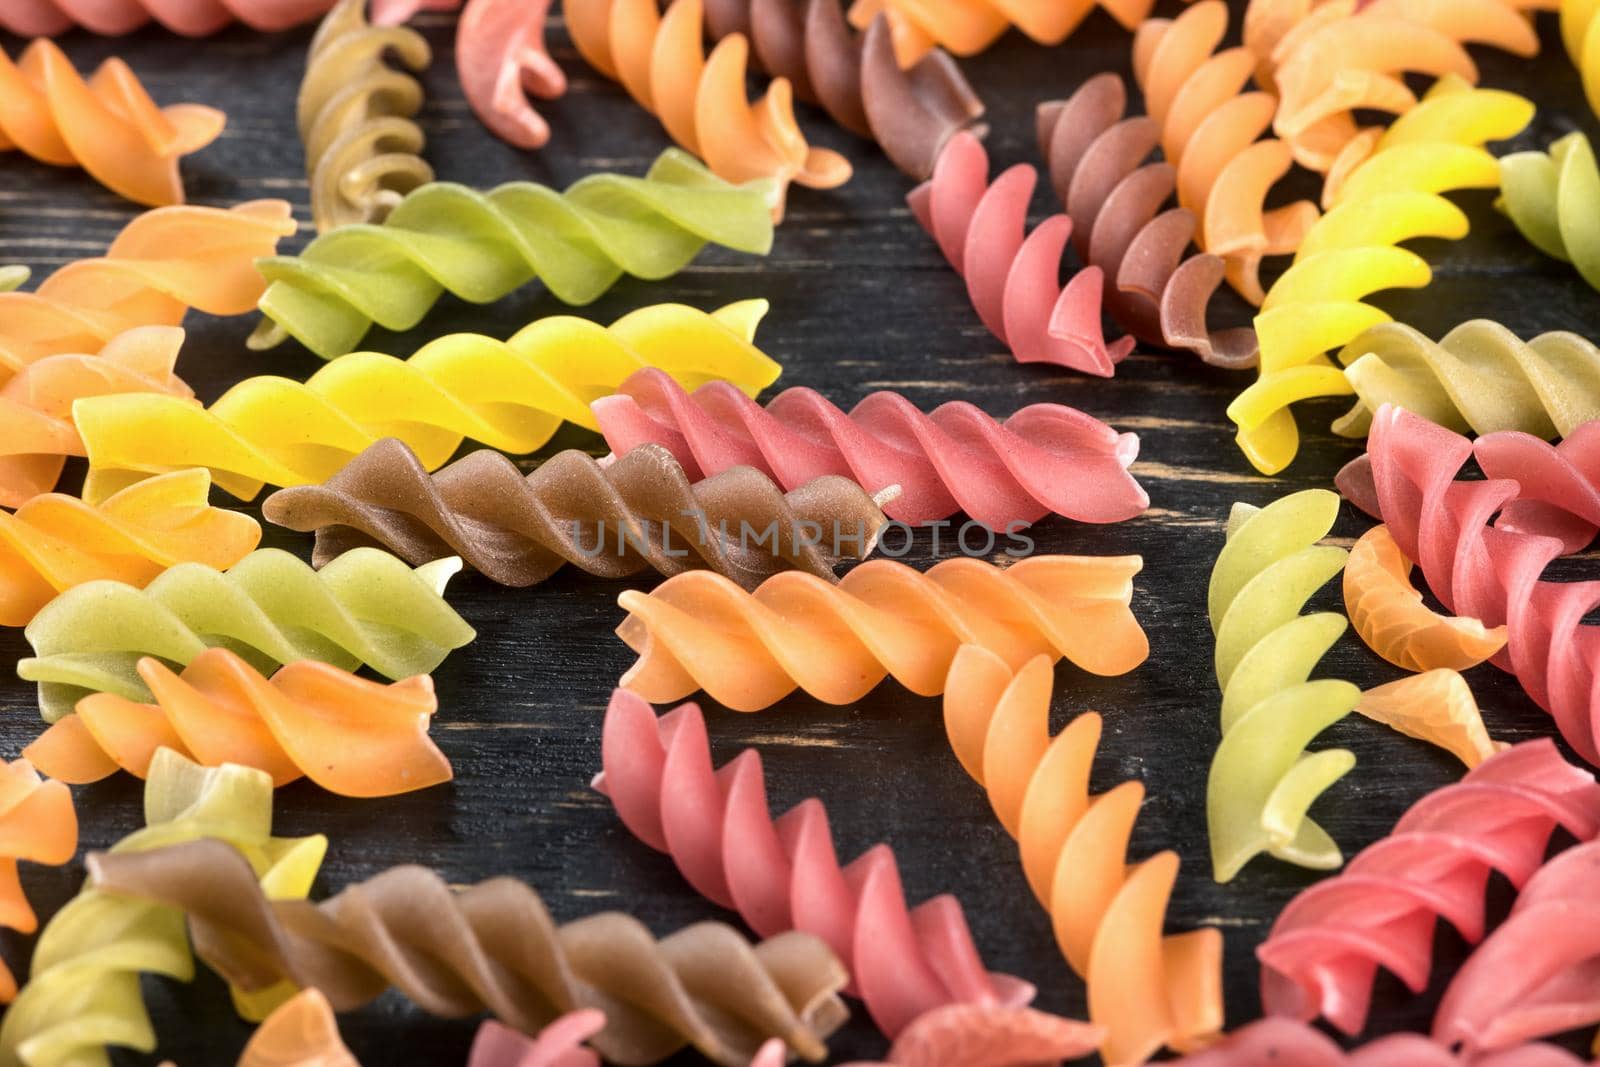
(1554, 199)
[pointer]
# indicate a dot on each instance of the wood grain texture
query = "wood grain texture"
(862, 300)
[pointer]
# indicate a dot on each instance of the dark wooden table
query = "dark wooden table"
(861, 300)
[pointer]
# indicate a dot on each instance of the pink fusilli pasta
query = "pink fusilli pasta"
(560, 1044)
(783, 874)
(1326, 947)
(1045, 458)
(1560, 483)
(501, 57)
(1282, 1043)
(973, 1035)
(191, 18)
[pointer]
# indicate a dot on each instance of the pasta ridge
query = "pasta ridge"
(1045, 458)
(191, 18)
(303, 1032)
(366, 607)
(1546, 194)
(1108, 915)
(481, 246)
(1321, 958)
(837, 642)
(1263, 781)
(783, 873)
(512, 395)
(352, 736)
(1159, 293)
(83, 993)
(494, 947)
(39, 825)
(501, 58)
(967, 27)
(1580, 33)
(560, 1044)
(659, 59)
(638, 512)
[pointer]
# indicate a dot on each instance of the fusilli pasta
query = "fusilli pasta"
(974, 1035)
(1270, 1042)
(1550, 196)
(967, 27)
(37, 824)
(192, 18)
(302, 1032)
(558, 1045)
(501, 58)
(1436, 706)
(1580, 32)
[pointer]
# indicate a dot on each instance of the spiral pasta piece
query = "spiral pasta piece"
(493, 947)
(1580, 33)
(558, 1045)
(1391, 618)
(1012, 281)
(1559, 485)
(1146, 991)
(700, 99)
(1263, 780)
(1269, 1042)
(783, 874)
(501, 58)
(366, 607)
(972, 1035)
(1436, 706)
(56, 542)
(512, 395)
(162, 264)
(83, 994)
(1550, 196)
(1157, 292)
(1479, 377)
(967, 27)
(356, 116)
(37, 824)
(191, 18)
(1326, 946)
(352, 736)
(612, 521)
(1211, 131)
(837, 642)
(483, 245)
(911, 113)
(107, 125)
(1044, 459)
(1319, 304)
(302, 1032)
(1532, 977)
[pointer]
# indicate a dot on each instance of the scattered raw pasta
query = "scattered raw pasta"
(352, 736)
(356, 116)
(83, 993)
(1155, 289)
(501, 58)
(1318, 304)
(162, 264)
(1275, 1042)
(493, 947)
(1326, 946)
(107, 125)
(302, 1032)
(1263, 780)
(639, 512)
(559, 1044)
(1391, 618)
(1551, 197)
(366, 607)
(1145, 990)
(784, 874)
(837, 642)
(483, 245)
(1436, 706)
(1044, 459)
(1013, 282)
(967, 27)
(701, 100)
(192, 18)
(855, 78)
(37, 824)
(56, 542)
(512, 395)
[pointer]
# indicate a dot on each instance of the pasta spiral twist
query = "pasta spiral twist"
(911, 114)
(83, 994)
(1435, 706)
(501, 58)
(836, 642)
(1549, 196)
(37, 824)
(162, 264)
(56, 542)
(1267, 1042)
(481, 246)
(1262, 779)
(1580, 33)
(352, 736)
(784, 874)
(967, 27)
(561, 1044)
(1045, 458)
(1326, 946)
(356, 118)
(192, 18)
(36, 429)
(1145, 990)
(612, 521)
(366, 607)
(1319, 304)
(1012, 281)
(494, 947)
(302, 1032)
(1211, 131)
(512, 395)
(107, 125)
(701, 100)
(1157, 292)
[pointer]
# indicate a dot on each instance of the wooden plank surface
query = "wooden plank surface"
(861, 300)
